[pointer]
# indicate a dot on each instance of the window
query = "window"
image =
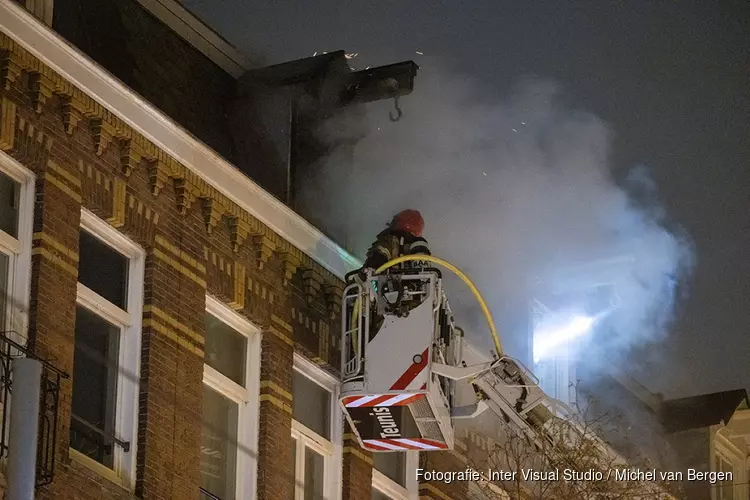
(16, 226)
(392, 465)
(316, 432)
(725, 488)
(231, 377)
(394, 475)
(16, 221)
(109, 308)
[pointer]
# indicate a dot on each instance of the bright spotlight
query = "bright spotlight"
(547, 339)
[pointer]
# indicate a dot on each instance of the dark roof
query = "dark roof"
(371, 84)
(298, 71)
(701, 411)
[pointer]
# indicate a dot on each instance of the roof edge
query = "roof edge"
(71, 64)
(200, 35)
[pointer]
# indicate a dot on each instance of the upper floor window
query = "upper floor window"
(109, 307)
(725, 488)
(390, 475)
(16, 226)
(316, 432)
(231, 377)
(16, 222)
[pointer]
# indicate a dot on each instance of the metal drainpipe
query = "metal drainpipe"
(24, 428)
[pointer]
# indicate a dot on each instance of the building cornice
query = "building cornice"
(119, 114)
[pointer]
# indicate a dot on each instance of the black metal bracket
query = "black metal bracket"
(125, 445)
(209, 495)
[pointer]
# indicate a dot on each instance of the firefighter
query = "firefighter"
(403, 236)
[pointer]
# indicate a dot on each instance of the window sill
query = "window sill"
(388, 486)
(96, 467)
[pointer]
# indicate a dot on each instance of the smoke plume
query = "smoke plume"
(512, 190)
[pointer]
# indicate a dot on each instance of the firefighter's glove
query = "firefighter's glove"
(361, 276)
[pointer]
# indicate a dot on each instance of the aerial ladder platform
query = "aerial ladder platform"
(402, 360)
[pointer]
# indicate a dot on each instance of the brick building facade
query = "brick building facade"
(159, 277)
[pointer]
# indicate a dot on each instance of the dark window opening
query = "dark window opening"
(103, 270)
(10, 192)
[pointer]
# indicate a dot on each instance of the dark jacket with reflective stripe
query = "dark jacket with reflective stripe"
(391, 244)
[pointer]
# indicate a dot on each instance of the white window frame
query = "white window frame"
(388, 486)
(18, 249)
(726, 451)
(246, 397)
(332, 449)
(129, 357)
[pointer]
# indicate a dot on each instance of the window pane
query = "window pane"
(311, 405)
(10, 191)
(226, 349)
(392, 465)
(103, 269)
(95, 370)
(314, 475)
(219, 448)
(379, 495)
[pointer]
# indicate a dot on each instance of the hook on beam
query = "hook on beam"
(399, 113)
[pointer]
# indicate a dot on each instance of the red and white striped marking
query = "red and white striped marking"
(381, 400)
(411, 373)
(401, 444)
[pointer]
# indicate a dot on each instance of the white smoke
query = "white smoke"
(510, 190)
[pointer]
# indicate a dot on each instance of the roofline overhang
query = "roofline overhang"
(142, 116)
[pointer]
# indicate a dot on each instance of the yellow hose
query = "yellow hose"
(460, 274)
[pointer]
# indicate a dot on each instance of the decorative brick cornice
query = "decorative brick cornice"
(313, 282)
(264, 248)
(119, 195)
(157, 176)
(7, 124)
(136, 150)
(40, 88)
(10, 68)
(186, 193)
(103, 133)
(72, 113)
(239, 287)
(212, 213)
(130, 157)
(239, 230)
(291, 262)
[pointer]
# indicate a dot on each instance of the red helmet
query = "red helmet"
(409, 221)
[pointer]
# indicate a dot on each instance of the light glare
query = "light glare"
(549, 338)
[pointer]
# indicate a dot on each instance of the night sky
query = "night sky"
(671, 78)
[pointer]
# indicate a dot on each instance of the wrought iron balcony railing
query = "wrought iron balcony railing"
(10, 349)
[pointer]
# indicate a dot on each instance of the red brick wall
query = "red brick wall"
(196, 242)
(442, 461)
(356, 469)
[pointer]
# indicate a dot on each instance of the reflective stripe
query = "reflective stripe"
(399, 444)
(419, 444)
(407, 402)
(378, 443)
(395, 399)
(381, 400)
(361, 401)
(385, 251)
